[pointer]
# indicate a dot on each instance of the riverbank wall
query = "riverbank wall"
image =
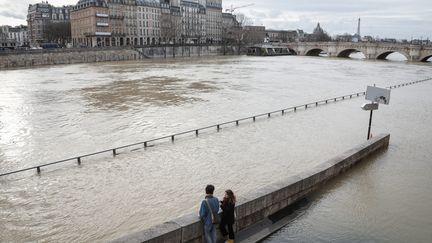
(264, 202)
(30, 58)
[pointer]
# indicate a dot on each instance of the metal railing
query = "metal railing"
(146, 144)
(96, 48)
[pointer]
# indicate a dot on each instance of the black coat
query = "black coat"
(228, 212)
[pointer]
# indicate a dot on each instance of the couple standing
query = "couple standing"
(209, 215)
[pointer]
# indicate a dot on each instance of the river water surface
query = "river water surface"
(56, 112)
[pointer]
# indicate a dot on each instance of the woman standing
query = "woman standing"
(228, 218)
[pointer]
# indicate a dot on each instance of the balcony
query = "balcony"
(102, 15)
(102, 24)
(116, 16)
(102, 33)
(91, 34)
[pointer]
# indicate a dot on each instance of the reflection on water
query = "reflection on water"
(75, 109)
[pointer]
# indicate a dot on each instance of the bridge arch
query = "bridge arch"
(347, 52)
(292, 51)
(427, 58)
(314, 52)
(385, 54)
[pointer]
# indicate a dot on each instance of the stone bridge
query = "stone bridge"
(415, 53)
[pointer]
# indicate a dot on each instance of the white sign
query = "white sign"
(378, 95)
(370, 107)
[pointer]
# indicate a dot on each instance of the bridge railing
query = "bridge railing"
(96, 48)
(172, 137)
(354, 43)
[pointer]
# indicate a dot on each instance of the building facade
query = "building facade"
(5, 41)
(13, 37)
(171, 21)
(146, 22)
(193, 19)
(90, 24)
(282, 36)
(214, 21)
(149, 22)
(254, 34)
(39, 18)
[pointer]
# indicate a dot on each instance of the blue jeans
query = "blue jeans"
(210, 233)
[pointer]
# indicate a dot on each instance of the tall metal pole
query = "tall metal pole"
(370, 125)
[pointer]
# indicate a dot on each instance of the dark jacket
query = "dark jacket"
(228, 212)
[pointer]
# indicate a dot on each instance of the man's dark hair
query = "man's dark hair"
(210, 189)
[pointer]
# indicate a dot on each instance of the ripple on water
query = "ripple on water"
(110, 104)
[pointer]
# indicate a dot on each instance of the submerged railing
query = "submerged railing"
(145, 144)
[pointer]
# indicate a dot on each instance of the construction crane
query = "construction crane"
(232, 9)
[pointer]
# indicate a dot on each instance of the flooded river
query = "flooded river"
(57, 112)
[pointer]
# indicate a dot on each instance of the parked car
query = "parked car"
(50, 45)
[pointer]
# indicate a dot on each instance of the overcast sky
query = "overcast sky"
(383, 18)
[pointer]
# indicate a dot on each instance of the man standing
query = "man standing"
(207, 215)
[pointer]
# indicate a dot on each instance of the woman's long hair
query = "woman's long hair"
(231, 197)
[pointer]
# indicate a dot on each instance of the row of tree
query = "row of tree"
(58, 32)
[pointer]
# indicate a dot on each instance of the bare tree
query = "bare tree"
(193, 28)
(170, 27)
(227, 34)
(321, 37)
(58, 32)
(239, 32)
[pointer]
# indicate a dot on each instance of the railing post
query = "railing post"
(316, 104)
(114, 152)
(306, 106)
(196, 133)
(326, 101)
(79, 160)
(254, 119)
(335, 99)
(172, 138)
(295, 109)
(145, 144)
(283, 112)
(218, 127)
(269, 115)
(237, 123)
(38, 170)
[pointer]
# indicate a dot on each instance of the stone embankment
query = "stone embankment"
(264, 202)
(30, 58)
